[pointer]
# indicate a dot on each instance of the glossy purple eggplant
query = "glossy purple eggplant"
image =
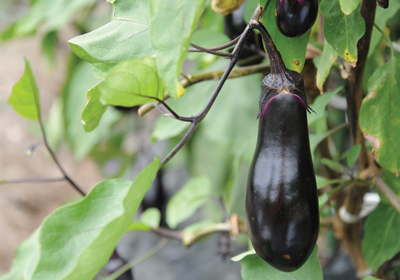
(281, 201)
(295, 17)
(281, 196)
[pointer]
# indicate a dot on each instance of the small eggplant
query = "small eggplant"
(282, 211)
(295, 17)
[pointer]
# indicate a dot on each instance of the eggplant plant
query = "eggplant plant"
(304, 177)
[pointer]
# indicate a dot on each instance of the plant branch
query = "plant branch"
(32, 180)
(233, 226)
(349, 234)
(138, 260)
(218, 48)
(221, 54)
(213, 75)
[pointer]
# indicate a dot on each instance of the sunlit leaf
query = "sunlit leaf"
(172, 25)
(76, 240)
(131, 83)
(25, 95)
(127, 36)
(94, 110)
(348, 6)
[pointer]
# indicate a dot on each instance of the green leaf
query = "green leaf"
(333, 165)
(191, 103)
(319, 105)
(371, 278)
(352, 155)
(49, 45)
(127, 36)
(381, 18)
(138, 226)
(81, 142)
(56, 14)
(151, 217)
(93, 111)
(293, 50)
(380, 115)
(254, 268)
(381, 236)
(249, 8)
(322, 182)
(393, 182)
(172, 23)
(25, 95)
(187, 200)
(76, 240)
(348, 6)
(131, 83)
(328, 58)
(342, 31)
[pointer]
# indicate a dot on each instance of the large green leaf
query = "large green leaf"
(380, 115)
(94, 110)
(56, 14)
(381, 17)
(328, 58)
(381, 238)
(131, 83)
(173, 22)
(187, 200)
(25, 95)
(348, 6)
(342, 31)
(127, 36)
(293, 50)
(254, 268)
(76, 240)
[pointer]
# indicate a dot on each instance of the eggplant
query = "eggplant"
(281, 202)
(295, 17)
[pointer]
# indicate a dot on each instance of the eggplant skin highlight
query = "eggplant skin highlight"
(295, 17)
(281, 201)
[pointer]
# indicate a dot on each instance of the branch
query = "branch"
(213, 75)
(221, 54)
(132, 263)
(32, 180)
(218, 48)
(233, 226)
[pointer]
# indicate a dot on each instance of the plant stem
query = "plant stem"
(213, 75)
(138, 260)
(32, 180)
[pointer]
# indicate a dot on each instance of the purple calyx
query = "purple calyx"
(269, 101)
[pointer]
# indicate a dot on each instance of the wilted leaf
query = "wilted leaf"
(380, 115)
